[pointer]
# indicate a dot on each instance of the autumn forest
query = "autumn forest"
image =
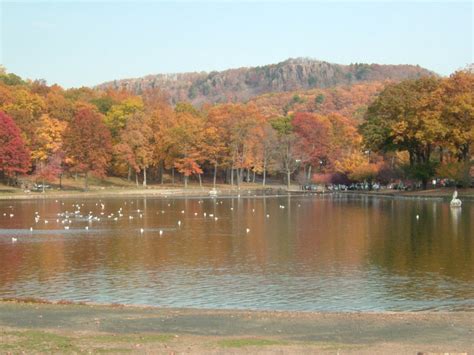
(384, 130)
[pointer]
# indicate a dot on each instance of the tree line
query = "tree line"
(412, 129)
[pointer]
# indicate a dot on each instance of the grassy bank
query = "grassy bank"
(111, 187)
(116, 187)
(60, 328)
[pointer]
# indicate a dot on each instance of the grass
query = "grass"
(36, 341)
(239, 343)
(32, 341)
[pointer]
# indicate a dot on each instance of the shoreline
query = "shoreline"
(60, 327)
(443, 194)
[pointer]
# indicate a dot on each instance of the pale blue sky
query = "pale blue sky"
(76, 43)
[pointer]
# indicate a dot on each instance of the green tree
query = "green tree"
(406, 117)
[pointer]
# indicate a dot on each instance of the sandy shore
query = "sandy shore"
(60, 328)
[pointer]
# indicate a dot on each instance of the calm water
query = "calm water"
(305, 253)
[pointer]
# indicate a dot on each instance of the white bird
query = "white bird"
(14, 240)
(86, 228)
(31, 229)
(247, 230)
(161, 232)
(417, 216)
(66, 227)
(179, 223)
(455, 202)
(141, 230)
(268, 216)
(215, 218)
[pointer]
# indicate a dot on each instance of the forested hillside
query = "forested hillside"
(241, 84)
(413, 129)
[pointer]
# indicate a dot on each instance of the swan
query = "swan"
(455, 202)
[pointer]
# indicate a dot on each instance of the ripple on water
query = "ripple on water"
(316, 254)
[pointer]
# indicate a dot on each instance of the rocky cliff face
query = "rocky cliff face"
(243, 83)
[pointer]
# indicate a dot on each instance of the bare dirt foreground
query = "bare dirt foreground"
(71, 328)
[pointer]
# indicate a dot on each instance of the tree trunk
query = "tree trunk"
(232, 176)
(162, 172)
(86, 181)
(43, 185)
(264, 171)
(200, 180)
(144, 176)
(136, 178)
(172, 175)
(253, 178)
(215, 175)
(288, 177)
(61, 180)
(424, 183)
(185, 182)
(129, 176)
(309, 173)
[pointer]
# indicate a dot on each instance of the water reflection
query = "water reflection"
(302, 252)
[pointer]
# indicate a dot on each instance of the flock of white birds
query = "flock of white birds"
(67, 217)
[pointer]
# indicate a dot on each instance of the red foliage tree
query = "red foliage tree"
(14, 155)
(313, 132)
(88, 143)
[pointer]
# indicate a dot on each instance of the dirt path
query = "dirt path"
(76, 328)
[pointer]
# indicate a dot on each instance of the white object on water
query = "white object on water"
(141, 230)
(455, 202)
(179, 223)
(14, 240)
(247, 230)
(417, 216)
(161, 232)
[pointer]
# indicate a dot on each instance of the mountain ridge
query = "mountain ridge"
(241, 84)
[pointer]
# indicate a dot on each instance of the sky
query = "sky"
(83, 43)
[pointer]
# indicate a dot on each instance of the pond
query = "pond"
(301, 252)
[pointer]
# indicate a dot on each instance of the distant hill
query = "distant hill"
(244, 83)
